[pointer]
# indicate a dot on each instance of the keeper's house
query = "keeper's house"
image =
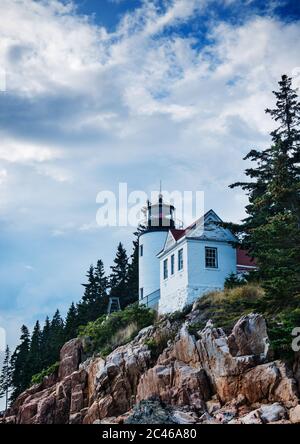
(177, 266)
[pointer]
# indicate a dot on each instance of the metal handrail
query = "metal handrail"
(150, 298)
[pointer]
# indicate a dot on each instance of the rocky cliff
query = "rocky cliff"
(169, 375)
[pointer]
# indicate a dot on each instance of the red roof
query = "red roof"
(177, 234)
(243, 259)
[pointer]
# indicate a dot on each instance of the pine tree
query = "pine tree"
(19, 364)
(46, 344)
(71, 323)
(90, 292)
(271, 230)
(101, 302)
(119, 276)
(35, 364)
(133, 269)
(6, 377)
(86, 307)
(56, 337)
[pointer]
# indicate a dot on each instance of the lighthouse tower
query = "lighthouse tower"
(159, 220)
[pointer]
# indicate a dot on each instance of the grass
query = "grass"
(224, 308)
(109, 332)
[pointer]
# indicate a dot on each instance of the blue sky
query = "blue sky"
(104, 91)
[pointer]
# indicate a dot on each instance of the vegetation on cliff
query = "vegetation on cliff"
(108, 332)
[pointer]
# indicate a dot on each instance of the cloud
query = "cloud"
(21, 152)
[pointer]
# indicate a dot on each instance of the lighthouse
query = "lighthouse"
(159, 219)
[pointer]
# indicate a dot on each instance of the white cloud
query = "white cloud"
(22, 152)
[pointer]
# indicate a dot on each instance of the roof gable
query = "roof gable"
(205, 228)
(208, 228)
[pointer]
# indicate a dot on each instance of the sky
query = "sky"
(99, 92)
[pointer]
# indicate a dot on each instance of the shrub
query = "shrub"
(39, 377)
(224, 308)
(233, 280)
(108, 332)
(280, 333)
(157, 345)
(181, 314)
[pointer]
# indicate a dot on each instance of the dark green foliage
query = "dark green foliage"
(71, 323)
(56, 338)
(38, 378)
(19, 364)
(181, 314)
(119, 276)
(46, 345)
(157, 346)
(102, 332)
(35, 351)
(233, 281)
(6, 377)
(271, 230)
(280, 333)
(133, 269)
(94, 301)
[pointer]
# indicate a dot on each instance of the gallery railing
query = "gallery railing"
(151, 300)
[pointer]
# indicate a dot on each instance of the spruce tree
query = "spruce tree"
(19, 364)
(87, 304)
(101, 302)
(271, 230)
(35, 364)
(119, 276)
(71, 323)
(56, 337)
(6, 377)
(133, 269)
(46, 344)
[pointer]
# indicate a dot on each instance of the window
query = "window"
(141, 293)
(166, 269)
(141, 250)
(211, 257)
(180, 259)
(172, 264)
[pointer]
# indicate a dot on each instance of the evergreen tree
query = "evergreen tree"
(90, 292)
(86, 307)
(71, 323)
(101, 302)
(119, 276)
(56, 337)
(35, 364)
(133, 269)
(101, 280)
(271, 230)
(46, 344)
(6, 377)
(19, 364)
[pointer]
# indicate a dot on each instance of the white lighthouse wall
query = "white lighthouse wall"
(195, 279)
(149, 276)
(202, 279)
(173, 290)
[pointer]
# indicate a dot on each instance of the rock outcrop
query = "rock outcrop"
(204, 378)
